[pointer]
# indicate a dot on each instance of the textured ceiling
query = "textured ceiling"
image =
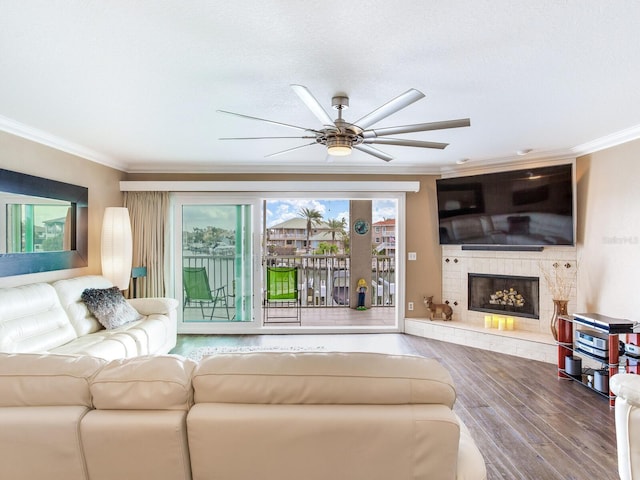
(136, 84)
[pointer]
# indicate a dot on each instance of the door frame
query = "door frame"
(258, 190)
(180, 199)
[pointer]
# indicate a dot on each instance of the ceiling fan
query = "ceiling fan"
(340, 136)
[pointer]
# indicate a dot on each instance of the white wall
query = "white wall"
(609, 231)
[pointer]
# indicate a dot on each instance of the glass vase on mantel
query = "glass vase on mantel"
(559, 308)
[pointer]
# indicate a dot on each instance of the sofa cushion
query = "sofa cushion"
(69, 292)
(321, 442)
(46, 380)
(42, 443)
(109, 306)
(136, 445)
(32, 319)
(106, 344)
(144, 383)
(322, 378)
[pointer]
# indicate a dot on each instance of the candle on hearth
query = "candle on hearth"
(487, 321)
(501, 323)
(510, 323)
(494, 321)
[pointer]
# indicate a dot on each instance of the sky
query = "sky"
(223, 216)
(279, 211)
(202, 216)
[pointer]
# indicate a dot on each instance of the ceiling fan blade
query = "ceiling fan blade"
(373, 151)
(313, 104)
(267, 121)
(405, 143)
(289, 150)
(261, 138)
(389, 108)
(418, 127)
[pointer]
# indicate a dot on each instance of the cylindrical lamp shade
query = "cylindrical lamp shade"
(116, 246)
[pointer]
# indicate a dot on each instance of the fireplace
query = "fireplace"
(504, 294)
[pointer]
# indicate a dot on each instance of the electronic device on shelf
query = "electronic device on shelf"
(602, 322)
(591, 338)
(597, 337)
(632, 350)
(596, 352)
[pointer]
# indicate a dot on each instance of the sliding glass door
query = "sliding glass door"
(213, 262)
(342, 245)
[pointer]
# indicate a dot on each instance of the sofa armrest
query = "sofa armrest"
(149, 306)
(627, 386)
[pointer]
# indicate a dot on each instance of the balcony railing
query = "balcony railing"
(322, 279)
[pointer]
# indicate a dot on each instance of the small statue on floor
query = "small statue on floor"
(362, 290)
(446, 312)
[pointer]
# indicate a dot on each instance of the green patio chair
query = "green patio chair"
(282, 297)
(198, 291)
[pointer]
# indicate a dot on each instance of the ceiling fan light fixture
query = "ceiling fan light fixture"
(339, 151)
(340, 137)
(338, 146)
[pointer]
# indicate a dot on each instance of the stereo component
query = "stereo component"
(573, 365)
(592, 338)
(603, 354)
(633, 350)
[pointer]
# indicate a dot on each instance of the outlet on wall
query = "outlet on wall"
(410, 306)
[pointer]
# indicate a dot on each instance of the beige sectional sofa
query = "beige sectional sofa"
(43, 317)
(243, 416)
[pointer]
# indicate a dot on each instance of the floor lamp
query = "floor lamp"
(116, 246)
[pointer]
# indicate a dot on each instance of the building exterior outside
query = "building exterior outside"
(383, 237)
(290, 237)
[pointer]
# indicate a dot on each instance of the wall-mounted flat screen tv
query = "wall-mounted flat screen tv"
(529, 207)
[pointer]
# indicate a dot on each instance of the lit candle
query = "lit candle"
(494, 321)
(487, 321)
(501, 323)
(509, 323)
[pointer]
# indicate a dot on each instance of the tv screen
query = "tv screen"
(529, 207)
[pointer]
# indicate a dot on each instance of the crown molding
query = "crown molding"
(44, 138)
(608, 141)
(532, 160)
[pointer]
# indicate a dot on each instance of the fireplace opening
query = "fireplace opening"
(504, 294)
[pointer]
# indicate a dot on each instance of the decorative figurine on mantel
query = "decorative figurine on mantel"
(362, 290)
(446, 312)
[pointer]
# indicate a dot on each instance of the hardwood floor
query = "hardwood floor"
(527, 423)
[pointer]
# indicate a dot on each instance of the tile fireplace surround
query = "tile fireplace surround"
(531, 337)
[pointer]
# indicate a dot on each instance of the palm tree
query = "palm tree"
(337, 226)
(313, 217)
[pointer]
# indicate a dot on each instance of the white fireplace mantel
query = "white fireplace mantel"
(467, 327)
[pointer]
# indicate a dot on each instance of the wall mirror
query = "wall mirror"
(43, 224)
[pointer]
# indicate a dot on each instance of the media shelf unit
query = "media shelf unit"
(611, 327)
